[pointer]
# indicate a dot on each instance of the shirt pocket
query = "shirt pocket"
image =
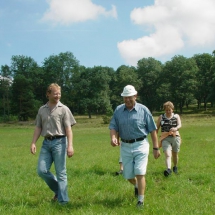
(57, 118)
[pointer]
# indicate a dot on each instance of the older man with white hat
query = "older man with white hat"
(133, 121)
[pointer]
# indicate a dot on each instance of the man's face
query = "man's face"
(55, 95)
(130, 101)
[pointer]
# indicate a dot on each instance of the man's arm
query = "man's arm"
(156, 150)
(69, 134)
(114, 138)
(37, 132)
(158, 123)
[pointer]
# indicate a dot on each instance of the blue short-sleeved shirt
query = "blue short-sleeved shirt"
(132, 124)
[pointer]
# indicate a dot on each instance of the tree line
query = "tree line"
(97, 90)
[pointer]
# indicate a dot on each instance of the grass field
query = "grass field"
(94, 188)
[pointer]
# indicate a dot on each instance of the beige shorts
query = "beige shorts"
(171, 143)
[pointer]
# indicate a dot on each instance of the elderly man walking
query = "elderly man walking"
(133, 121)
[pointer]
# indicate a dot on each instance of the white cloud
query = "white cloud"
(172, 25)
(71, 11)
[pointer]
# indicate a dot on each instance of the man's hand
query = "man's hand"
(114, 142)
(33, 148)
(156, 153)
(70, 151)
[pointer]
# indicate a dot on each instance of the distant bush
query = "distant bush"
(106, 119)
(8, 118)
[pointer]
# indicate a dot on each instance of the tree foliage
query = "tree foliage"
(149, 70)
(181, 72)
(124, 75)
(60, 69)
(92, 85)
(204, 78)
(97, 90)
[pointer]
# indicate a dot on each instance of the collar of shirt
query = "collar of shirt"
(136, 107)
(59, 104)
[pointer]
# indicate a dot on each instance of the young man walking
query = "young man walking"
(53, 122)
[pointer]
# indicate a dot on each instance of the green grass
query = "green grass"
(93, 187)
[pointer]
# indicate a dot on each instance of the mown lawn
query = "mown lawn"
(93, 186)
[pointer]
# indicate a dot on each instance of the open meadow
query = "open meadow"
(93, 187)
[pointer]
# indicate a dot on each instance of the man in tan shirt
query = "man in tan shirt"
(53, 122)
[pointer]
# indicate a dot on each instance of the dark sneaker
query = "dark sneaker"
(135, 191)
(167, 172)
(54, 199)
(175, 169)
(140, 205)
(119, 172)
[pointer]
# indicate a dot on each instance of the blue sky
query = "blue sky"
(106, 32)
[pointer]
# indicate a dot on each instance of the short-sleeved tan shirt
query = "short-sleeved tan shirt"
(53, 123)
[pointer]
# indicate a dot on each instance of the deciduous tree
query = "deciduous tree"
(204, 77)
(180, 73)
(149, 70)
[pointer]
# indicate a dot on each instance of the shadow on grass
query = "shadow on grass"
(96, 169)
(107, 203)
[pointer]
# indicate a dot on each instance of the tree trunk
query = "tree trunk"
(89, 114)
(205, 104)
(180, 107)
(199, 104)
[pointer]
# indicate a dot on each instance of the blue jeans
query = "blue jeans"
(54, 151)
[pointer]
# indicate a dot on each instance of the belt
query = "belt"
(133, 140)
(173, 136)
(54, 137)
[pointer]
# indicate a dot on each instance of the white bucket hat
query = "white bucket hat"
(128, 90)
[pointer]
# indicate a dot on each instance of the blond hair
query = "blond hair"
(50, 87)
(168, 105)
